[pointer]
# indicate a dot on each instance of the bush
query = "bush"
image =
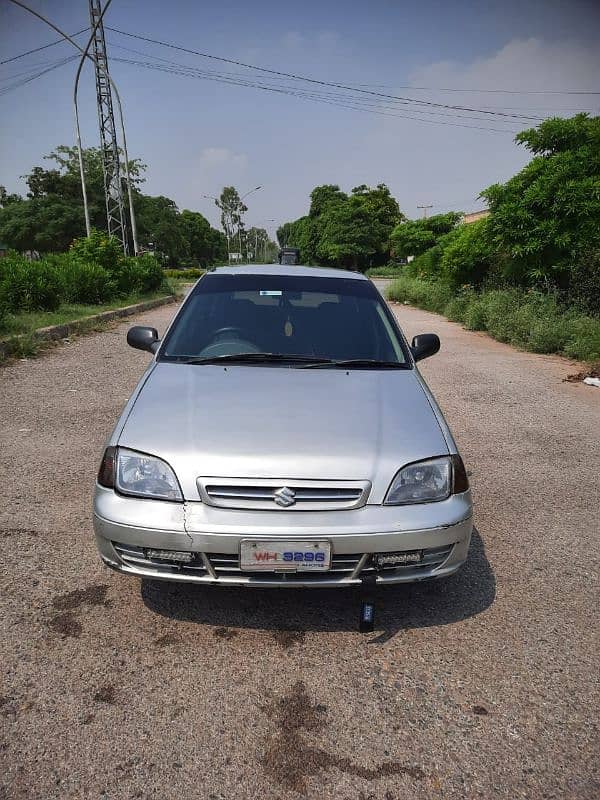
(584, 288)
(29, 285)
(150, 273)
(431, 295)
(549, 335)
(474, 315)
(99, 248)
(584, 339)
(533, 320)
(92, 273)
(457, 307)
(500, 307)
(89, 284)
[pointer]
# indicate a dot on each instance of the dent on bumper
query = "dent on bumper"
(192, 527)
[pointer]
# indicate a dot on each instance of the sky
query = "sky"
(198, 129)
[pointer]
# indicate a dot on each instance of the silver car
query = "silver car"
(282, 436)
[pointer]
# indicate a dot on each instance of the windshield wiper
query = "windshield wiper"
(257, 358)
(361, 363)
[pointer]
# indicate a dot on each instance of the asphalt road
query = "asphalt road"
(483, 686)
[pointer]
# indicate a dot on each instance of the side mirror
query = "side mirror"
(143, 338)
(425, 345)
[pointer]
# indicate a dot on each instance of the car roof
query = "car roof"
(288, 269)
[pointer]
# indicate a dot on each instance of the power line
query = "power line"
(23, 81)
(352, 103)
(479, 91)
(279, 78)
(43, 47)
(404, 100)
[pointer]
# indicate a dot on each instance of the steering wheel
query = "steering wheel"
(229, 340)
(238, 333)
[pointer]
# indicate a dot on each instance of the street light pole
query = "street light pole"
(251, 191)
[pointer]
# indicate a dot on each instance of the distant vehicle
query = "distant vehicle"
(282, 436)
(289, 255)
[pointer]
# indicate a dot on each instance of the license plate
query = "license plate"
(270, 555)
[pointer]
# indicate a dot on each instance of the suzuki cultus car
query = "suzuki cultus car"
(282, 436)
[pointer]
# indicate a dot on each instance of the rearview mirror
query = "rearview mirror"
(425, 345)
(143, 338)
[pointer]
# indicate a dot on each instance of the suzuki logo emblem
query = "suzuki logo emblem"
(284, 497)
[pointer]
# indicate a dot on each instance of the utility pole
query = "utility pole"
(111, 165)
(425, 210)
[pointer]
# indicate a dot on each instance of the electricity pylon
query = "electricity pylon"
(111, 166)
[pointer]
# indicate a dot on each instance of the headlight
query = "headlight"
(138, 474)
(428, 481)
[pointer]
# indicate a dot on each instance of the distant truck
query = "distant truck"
(289, 255)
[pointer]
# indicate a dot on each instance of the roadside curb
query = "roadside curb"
(54, 332)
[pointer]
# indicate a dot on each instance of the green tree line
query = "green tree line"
(529, 273)
(351, 231)
(50, 217)
(543, 229)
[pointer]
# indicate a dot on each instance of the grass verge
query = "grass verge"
(18, 331)
(28, 322)
(531, 320)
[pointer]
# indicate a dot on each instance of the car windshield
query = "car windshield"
(284, 320)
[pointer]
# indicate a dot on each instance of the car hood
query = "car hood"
(279, 422)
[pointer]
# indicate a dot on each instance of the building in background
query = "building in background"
(474, 216)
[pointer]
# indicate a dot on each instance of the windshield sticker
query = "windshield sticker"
(271, 292)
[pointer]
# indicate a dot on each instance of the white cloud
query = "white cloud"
(522, 64)
(448, 165)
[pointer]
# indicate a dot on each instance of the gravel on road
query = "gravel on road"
(481, 686)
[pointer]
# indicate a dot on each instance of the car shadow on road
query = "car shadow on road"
(401, 607)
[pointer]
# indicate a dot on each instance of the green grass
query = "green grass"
(388, 271)
(191, 274)
(531, 320)
(24, 323)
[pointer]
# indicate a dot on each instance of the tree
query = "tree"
(47, 224)
(323, 197)
(7, 199)
(467, 256)
(348, 230)
(52, 214)
(205, 245)
(257, 240)
(413, 237)
(158, 223)
(545, 218)
(232, 211)
(348, 238)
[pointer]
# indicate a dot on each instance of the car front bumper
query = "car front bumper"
(126, 527)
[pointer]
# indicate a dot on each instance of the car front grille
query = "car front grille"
(283, 495)
(226, 565)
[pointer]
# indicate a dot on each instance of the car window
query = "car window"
(332, 318)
